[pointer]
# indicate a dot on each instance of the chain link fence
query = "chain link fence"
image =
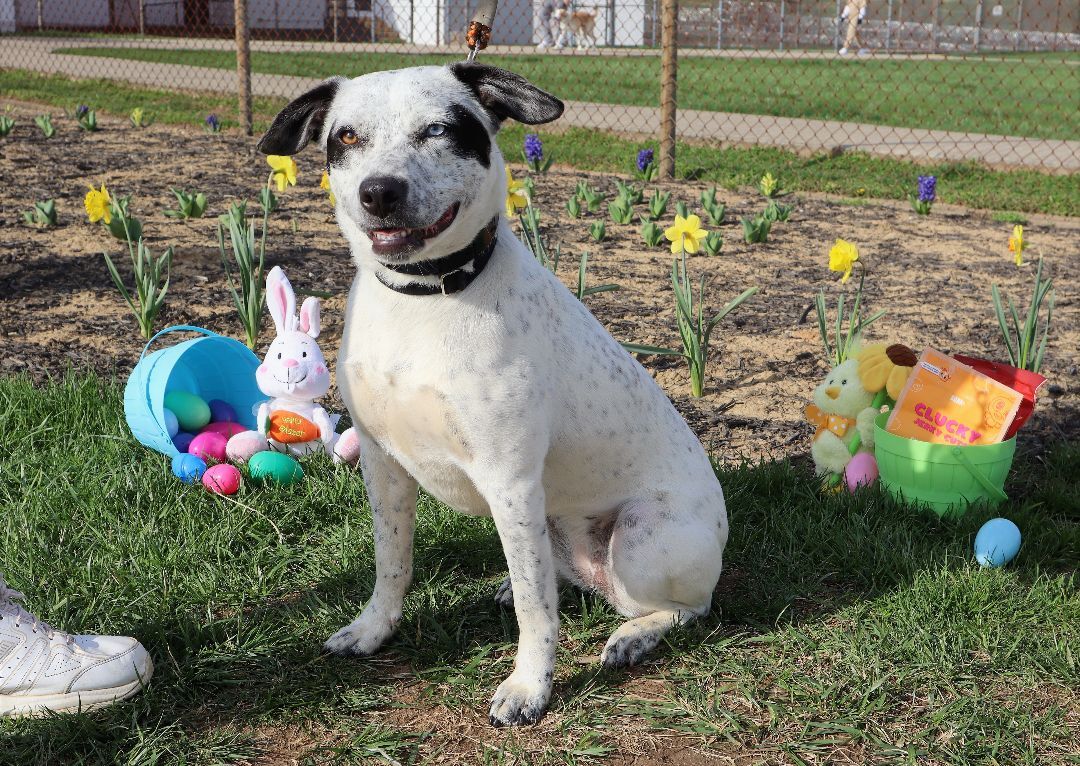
(991, 81)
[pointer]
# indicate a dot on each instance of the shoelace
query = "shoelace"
(8, 606)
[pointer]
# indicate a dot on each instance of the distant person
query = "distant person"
(43, 669)
(854, 13)
(546, 11)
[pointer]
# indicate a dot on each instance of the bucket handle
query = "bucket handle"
(995, 492)
(176, 328)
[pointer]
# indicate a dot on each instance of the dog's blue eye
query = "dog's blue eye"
(435, 129)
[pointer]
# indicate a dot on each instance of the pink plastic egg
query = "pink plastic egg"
(228, 430)
(209, 446)
(222, 479)
(862, 470)
(245, 444)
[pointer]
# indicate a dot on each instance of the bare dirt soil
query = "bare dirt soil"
(932, 274)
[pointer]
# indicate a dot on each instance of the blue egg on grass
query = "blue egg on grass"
(188, 468)
(997, 543)
(172, 425)
(182, 441)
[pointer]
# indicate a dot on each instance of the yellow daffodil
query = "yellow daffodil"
(516, 196)
(324, 183)
(284, 170)
(842, 257)
(768, 185)
(97, 205)
(686, 235)
(1017, 244)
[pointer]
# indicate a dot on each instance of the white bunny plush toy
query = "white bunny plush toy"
(294, 374)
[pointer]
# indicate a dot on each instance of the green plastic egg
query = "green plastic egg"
(275, 466)
(192, 413)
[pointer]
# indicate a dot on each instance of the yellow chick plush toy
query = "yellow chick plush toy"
(842, 408)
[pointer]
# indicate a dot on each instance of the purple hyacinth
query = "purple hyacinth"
(81, 110)
(212, 122)
(534, 148)
(927, 188)
(644, 159)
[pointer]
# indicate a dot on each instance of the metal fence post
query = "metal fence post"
(669, 47)
(1019, 22)
(781, 47)
(836, 35)
(720, 24)
(888, 28)
(243, 65)
(978, 27)
(334, 10)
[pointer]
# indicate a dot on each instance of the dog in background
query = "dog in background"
(579, 26)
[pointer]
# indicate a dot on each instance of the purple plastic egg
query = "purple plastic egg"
(862, 470)
(209, 446)
(222, 479)
(182, 441)
(222, 412)
(226, 429)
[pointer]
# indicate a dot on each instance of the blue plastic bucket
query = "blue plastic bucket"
(211, 367)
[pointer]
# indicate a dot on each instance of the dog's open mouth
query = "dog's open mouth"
(400, 241)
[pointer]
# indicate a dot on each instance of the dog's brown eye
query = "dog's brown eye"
(349, 137)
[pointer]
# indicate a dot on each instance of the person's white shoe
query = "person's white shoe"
(541, 46)
(42, 668)
(842, 51)
(864, 51)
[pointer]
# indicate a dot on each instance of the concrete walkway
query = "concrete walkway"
(715, 127)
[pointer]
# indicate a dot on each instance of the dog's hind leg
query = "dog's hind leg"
(392, 493)
(665, 556)
(635, 638)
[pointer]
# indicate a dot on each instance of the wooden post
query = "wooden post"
(669, 30)
(243, 65)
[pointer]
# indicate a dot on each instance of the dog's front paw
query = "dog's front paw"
(504, 596)
(519, 701)
(362, 636)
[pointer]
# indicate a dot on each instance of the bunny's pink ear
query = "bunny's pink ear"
(281, 300)
(309, 316)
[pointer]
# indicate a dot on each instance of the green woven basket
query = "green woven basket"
(947, 478)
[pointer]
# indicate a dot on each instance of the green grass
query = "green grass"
(851, 174)
(1038, 98)
(841, 623)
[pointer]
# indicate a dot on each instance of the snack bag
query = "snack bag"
(948, 402)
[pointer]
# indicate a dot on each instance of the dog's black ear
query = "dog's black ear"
(505, 94)
(300, 121)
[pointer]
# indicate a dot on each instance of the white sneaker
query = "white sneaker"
(843, 51)
(864, 51)
(44, 669)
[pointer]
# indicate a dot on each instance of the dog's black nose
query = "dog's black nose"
(381, 195)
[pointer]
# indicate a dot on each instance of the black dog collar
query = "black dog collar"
(449, 269)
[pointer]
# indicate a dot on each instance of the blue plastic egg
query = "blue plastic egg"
(172, 425)
(188, 468)
(182, 441)
(222, 412)
(997, 543)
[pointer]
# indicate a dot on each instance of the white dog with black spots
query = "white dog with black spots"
(470, 370)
